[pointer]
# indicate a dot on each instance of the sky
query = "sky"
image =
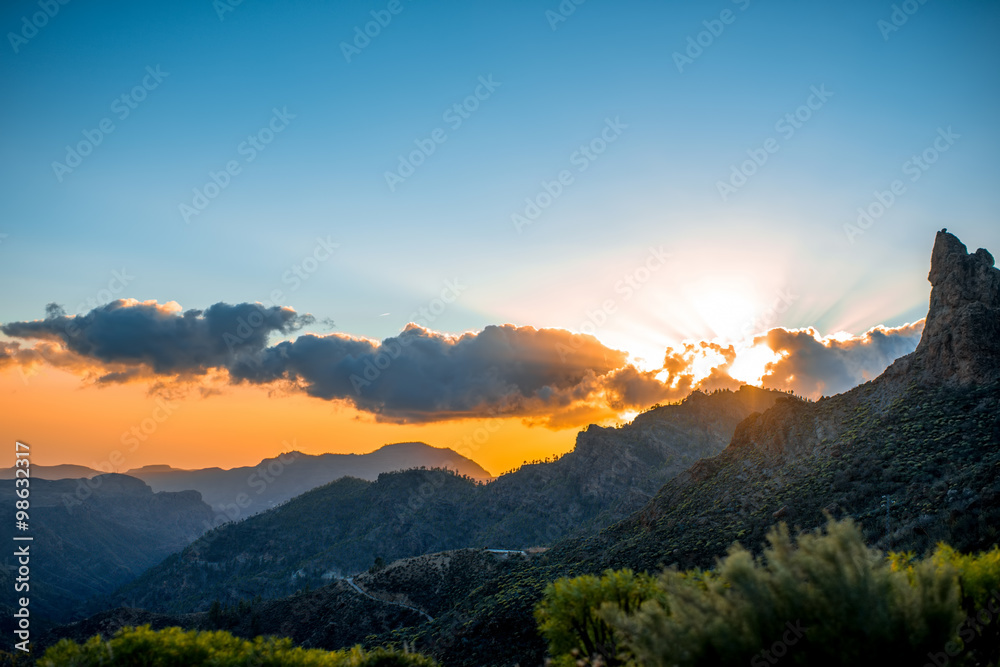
(478, 225)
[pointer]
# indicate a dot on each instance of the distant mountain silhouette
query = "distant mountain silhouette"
(239, 492)
(62, 471)
(92, 536)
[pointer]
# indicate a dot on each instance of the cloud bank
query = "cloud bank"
(815, 366)
(547, 376)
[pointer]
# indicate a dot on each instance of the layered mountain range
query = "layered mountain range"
(913, 457)
(343, 527)
(271, 482)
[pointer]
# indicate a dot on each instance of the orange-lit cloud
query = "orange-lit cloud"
(813, 365)
(550, 377)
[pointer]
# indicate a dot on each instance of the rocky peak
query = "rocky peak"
(961, 338)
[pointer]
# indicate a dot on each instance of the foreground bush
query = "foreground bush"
(569, 617)
(827, 600)
(174, 647)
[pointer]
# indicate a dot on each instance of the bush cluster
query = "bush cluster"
(825, 599)
(174, 647)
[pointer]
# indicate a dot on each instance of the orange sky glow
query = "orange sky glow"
(205, 421)
(67, 422)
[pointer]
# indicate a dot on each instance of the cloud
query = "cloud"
(161, 336)
(815, 366)
(551, 377)
(541, 375)
(632, 389)
(422, 375)
(45, 353)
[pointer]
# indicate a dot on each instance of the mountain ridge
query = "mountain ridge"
(341, 528)
(919, 444)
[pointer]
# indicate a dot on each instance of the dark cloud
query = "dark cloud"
(160, 336)
(422, 375)
(815, 366)
(542, 375)
(632, 389)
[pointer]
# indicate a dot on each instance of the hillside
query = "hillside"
(334, 615)
(926, 434)
(90, 538)
(612, 472)
(341, 528)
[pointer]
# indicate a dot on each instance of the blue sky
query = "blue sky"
(656, 186)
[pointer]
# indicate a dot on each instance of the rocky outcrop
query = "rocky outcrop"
(961, 339)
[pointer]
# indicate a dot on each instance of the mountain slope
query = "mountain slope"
(92, 537)
(612, 472)
(926, 434)
(341, 528)
(334, 615)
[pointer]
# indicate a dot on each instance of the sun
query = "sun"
(728, 311)
(751, 363)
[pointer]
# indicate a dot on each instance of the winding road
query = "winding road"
(350, 581)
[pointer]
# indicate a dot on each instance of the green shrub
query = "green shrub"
(568, 616)
(823, 600)
(979, 575)
(174, 647)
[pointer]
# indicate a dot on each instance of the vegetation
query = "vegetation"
(825, 600)
(173, 647)
(570, 615)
